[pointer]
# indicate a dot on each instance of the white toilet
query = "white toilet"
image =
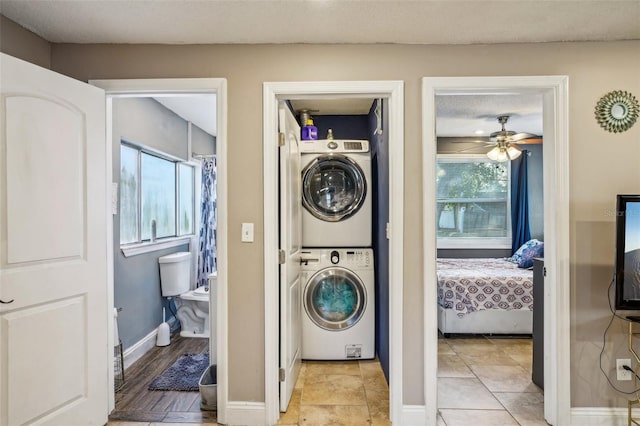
(192, 305)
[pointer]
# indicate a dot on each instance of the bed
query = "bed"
(484, 296)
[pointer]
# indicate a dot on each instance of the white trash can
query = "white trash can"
(208, 385)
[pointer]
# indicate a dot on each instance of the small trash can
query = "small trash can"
(209, 389)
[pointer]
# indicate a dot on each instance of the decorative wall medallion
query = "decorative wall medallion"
(617, 111)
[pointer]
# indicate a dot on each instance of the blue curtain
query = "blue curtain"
(207, 249)
(520, 231)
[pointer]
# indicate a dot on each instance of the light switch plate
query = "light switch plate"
(247, 232)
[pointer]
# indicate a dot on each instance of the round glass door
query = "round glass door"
(333, 187)
(335, 299)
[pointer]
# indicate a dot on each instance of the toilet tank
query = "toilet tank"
(175, 273)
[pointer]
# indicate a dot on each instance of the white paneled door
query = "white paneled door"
(53, 260)
(290, 247)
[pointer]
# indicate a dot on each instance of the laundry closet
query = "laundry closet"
(345, 209)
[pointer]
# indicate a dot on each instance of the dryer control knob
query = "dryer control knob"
(335, 257)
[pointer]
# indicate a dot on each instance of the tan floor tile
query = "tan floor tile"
(505, 378)
(478, 418)
(526, 408)
(375, 382)
(465, 393)
(325, 368)
(326, 415)
(119, 423)
(303, 373)
(452, 366)
(370, 368)
(444, 348)
(333, 390)
(378, 403)
(493, 357)
(524, 360)
(472, 345)
(292, 415)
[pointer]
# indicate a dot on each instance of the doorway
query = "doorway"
(554, 91)
(273, 94)
(177, 88)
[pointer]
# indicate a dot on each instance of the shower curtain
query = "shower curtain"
(207, 243)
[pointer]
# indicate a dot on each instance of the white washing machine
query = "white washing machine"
(336, 193)
(339, 304)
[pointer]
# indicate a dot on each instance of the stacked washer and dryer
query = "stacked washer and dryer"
(337, 258)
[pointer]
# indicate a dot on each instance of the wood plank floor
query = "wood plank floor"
(135, 403)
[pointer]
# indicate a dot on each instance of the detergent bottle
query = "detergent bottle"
(309, 131)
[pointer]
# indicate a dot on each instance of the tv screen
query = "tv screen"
(628, 252)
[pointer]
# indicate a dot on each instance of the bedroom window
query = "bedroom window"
(473, 202)
(154, 188)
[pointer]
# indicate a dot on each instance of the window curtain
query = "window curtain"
(207, 244)
(520, 231)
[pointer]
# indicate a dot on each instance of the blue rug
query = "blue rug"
(183, 375)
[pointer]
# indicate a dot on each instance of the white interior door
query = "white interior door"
(290, 246)
(53, 249)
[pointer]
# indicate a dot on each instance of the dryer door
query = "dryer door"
(333, 187)
(335, 299)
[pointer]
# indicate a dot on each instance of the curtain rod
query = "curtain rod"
(196, 155)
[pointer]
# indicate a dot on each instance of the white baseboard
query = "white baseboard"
(142, 346)
(414, 415)
(600, 416)
(246, 413)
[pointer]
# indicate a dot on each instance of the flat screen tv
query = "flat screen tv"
(627, 275)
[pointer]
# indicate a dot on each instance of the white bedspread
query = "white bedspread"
(469, 285)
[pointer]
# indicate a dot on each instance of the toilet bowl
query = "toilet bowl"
(192, 304)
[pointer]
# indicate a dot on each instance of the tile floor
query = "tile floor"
(487, 380)
(339, 393)
(481, 381)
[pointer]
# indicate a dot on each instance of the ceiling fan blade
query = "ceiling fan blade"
(522, 135)
(536, 140)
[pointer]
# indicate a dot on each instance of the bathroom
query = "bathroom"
(150, 134)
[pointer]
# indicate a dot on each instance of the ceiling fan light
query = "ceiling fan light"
(494, 154)
(513, 152)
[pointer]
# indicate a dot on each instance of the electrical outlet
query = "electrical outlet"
(623, 375)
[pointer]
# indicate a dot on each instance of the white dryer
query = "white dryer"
(336, 193)
(338, 321)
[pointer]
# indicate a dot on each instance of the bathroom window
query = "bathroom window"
(473, 202)
(153, 188)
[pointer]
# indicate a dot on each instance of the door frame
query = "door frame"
(555, 91)
(178, 86)
(272, 93)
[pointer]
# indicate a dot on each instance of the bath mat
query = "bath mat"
(183, 375)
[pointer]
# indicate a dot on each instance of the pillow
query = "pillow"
(517, 256)
(529, 254)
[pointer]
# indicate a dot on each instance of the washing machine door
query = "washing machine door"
(335, 299)
(333, 187)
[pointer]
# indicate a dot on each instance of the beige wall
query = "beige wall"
(602, 165)
(21, 43)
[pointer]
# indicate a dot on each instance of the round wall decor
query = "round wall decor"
(617, 111)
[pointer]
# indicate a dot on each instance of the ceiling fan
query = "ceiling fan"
(504, 142)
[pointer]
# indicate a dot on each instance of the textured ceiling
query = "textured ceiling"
(344, 21)
(325, 21)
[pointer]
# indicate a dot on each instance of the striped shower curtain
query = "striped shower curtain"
(207, 246)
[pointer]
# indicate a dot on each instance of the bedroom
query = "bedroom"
(486, 209)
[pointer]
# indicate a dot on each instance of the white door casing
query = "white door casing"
(394, 92)
(290, 247)
(557, 394)
(218, 343)
(53, 255)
